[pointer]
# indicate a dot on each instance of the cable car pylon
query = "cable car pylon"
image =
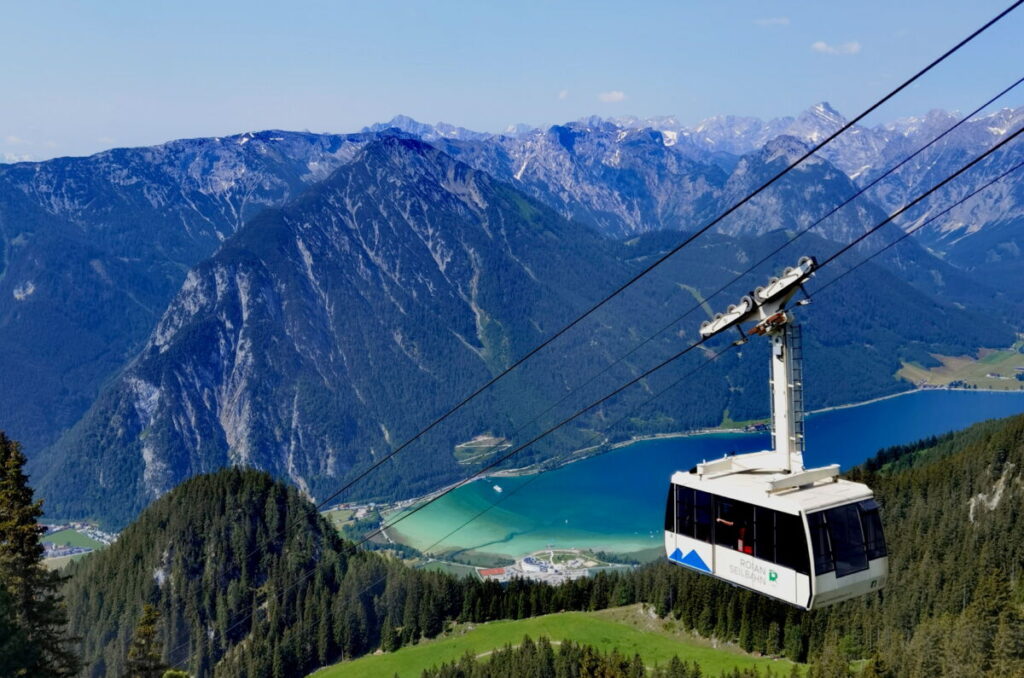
(761, 520)
(767, 306)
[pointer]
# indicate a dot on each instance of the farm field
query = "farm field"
(339, 517)
(72, 538)
(994, 370)
(59, 563)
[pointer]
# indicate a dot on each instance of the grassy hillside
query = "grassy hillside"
(630, 630)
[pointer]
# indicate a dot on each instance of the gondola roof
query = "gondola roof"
(753, 488)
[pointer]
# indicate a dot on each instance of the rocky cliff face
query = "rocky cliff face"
(94, 248)
(324, 333)
(301, 346)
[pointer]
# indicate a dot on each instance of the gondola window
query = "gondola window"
(873, 537)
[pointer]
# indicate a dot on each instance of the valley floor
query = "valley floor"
(630, 630)
(990, 370)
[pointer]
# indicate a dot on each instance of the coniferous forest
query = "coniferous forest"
(234, 574)
(538, 659)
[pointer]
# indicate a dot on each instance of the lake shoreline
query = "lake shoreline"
(528, 524)
(604, 447)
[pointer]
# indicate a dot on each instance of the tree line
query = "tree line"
(233, 574)
(539, 659)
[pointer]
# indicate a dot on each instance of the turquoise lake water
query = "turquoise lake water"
(615, 502)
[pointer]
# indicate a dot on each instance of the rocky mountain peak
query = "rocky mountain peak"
(425, 131)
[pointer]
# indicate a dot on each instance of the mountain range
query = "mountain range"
(302, 303)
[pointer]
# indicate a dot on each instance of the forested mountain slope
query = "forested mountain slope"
(250, 581)
(953, 604)
(236, 557)
(324, 333)
(94, 248)
(320, 335)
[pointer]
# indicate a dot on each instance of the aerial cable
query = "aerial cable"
(631, 281)
(664, 363)
(911, 231)
(765, 258)
(921, 197)
(355, 545)
(694, 345)
(721, 289)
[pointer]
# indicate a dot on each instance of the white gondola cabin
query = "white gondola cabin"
(762, 521)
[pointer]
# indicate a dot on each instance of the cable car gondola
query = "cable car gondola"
(761, 520)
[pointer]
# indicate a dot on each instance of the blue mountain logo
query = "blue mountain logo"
(692, 559)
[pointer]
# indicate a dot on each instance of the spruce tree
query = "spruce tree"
(34, 592)
(793, 640)
(145, 655)
(13, 648)
(831, 663)
(1008, 647)
(389, 639)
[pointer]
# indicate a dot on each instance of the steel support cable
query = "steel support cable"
(911, 231)
(380, 580)
(850, 245)
(631, 281)
(771, 254)
(355, 545)
(650, 371)
(679, 354)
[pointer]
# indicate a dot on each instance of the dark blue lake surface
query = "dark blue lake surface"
(616, 501)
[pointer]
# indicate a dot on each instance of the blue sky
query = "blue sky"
(79, 77)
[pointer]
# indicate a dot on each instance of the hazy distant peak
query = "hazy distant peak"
(519, 129)
(427, 132)
(824, 111)
(786, 146)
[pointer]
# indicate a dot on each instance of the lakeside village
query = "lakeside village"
(69, 539)
(551, 565)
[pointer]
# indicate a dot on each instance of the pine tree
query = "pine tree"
(637, 668)
(874, 668)
(746, 634)
(34, 592)
(145, 652)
